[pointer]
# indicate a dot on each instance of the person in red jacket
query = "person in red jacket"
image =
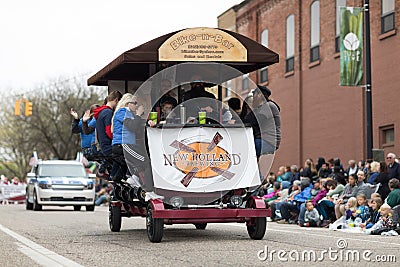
(103, 116)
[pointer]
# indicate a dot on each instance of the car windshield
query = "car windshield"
(62, 170)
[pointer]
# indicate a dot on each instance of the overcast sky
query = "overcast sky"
(46, 39)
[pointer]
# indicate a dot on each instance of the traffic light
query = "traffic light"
(17, 108)
(28, 108)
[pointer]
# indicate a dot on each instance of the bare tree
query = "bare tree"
(48, 130)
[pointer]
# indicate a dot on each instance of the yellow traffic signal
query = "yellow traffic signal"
(17, 108)
(28, 108)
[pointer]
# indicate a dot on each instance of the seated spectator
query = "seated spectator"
(311, 217)
(103, 195)
(383, 180)
(350, 190)
(374, 172)
(324, 171)
(290, 210)
(292, 192)
(393, 166)
(309, 170)
(350, 208)
(274, 194)
(362, 187)
(326, 206)
(385, 222)
(393, 199)
(362, 210)
(284, 174)
(317, 193)
(268, 187)
(352, 168)
(338, 175)
(374, 214)
(295, 173)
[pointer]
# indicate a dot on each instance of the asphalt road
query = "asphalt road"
(59, 236)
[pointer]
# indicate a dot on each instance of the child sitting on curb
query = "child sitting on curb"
(374, 216)
(385, 223)
(311, 217)
(362, 210)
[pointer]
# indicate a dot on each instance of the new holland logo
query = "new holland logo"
(202, 160)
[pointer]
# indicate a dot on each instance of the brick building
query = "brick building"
(319, 117)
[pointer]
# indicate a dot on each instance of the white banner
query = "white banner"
(203, 159)
(11, 191)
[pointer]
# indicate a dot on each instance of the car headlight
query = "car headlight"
(89, 186)
(176, 202)
(44, 185)
(236, 200)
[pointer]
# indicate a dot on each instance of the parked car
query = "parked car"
(59, 183)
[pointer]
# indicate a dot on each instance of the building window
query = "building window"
(387, 19)
(387, 136)
(264, 42)
(290, 35)
(339, 3)
(314, 48)
(245, 82)
(264, 75)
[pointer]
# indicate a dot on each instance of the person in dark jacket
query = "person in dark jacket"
(393, 166)
(266, 122)
(383, 179)
(103, 116)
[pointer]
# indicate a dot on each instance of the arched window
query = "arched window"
(314, 48)
(387, 18)
(339, 3)
(264, 42)
(290, 35)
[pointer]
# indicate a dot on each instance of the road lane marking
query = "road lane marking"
(319, 235)
(39, 254)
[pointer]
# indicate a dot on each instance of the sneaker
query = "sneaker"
(134, 181)
(306, 224)
(152, 195)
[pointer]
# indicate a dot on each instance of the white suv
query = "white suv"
(59, 183)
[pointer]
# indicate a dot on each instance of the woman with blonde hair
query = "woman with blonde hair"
(309, 169)
(123, 110)
(374, 172)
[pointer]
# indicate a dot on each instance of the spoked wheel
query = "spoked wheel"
(200, 226)
(115, 218)
(154, 226)
(29, 206)
(36, 205)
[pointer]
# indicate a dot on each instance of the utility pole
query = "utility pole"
(368, 86)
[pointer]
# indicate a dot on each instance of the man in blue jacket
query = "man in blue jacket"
(290, 210)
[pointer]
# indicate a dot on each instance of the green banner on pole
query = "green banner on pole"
(351, 46)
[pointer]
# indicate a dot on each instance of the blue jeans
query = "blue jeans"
(302, 213)
(100, 200)
(263, 147)
(324, 207)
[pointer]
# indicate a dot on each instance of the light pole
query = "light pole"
(368, 86)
